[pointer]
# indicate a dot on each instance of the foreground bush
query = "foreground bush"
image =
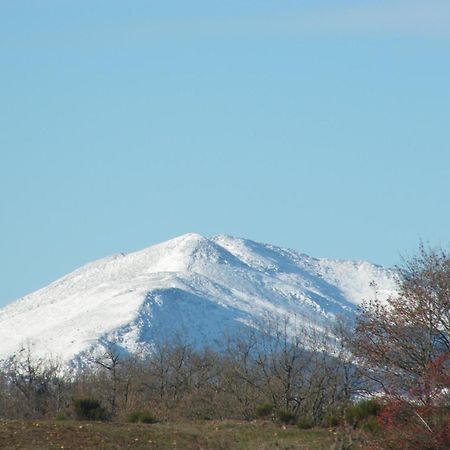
(305, 423)
(60, 416)
(409, 427)
(286, 417)
(89, 409)
(141, 417)
(264, 410)
(362, 412)
(331, 421)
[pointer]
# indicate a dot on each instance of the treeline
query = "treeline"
(272, 373)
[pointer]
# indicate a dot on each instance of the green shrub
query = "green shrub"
(369, 408)
(141, 417)
(134, 417)
(331, 421)
(362, 411)
(305, 423)
(89, 409)
(286, 417)
(264, 410)
(60, 416)
(204, 416)
(371, 425)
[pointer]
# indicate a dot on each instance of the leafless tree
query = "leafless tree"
(37, 386)
(401, 340)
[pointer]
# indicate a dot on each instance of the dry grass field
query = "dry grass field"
(180, 435)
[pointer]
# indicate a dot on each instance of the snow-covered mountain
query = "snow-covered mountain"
(201, 288)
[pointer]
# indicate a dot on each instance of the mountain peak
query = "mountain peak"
(188, 237)
(204, 287)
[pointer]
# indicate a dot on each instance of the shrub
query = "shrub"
(331, 421)
(60, 416)
(141, 417)
(286, 417)
(368, 408)
(264, 410)
(305, 423)
(362, 411)
(409, 426)
(371, 425)
(89, 409)
(204, 416)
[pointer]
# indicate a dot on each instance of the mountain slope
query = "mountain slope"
(202, 288)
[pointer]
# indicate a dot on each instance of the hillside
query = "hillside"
(202, 288)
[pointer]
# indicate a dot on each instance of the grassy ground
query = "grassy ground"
(180, 435)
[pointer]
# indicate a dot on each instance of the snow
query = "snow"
(198, 287)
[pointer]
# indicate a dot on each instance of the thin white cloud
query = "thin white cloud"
(415, 18)
(359, 18)
(395, 17)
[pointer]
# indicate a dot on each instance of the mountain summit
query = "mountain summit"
(203, 288)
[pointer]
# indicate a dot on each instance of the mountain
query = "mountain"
(202, 288)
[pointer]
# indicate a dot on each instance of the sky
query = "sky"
(323, 126)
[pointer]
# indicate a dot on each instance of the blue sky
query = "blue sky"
(319, 125)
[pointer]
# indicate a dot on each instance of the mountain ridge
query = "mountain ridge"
(205, 287)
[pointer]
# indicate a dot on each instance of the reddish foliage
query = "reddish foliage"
(414, 425)
(410, 427)
(404, 345)
(435, 381)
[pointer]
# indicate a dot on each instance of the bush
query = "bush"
(410, 427)
(371, 425)
(89, 409)
(331, 421)
(203, 416)
(141, 417)
(60, 416)
(286, 417)
(305, 423)
(362, 411)
(264, 410)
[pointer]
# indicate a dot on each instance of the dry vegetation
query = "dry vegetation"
(178, 435)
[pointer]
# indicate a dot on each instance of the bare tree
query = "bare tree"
(400, 340)
(111, 360)
(37, 385)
